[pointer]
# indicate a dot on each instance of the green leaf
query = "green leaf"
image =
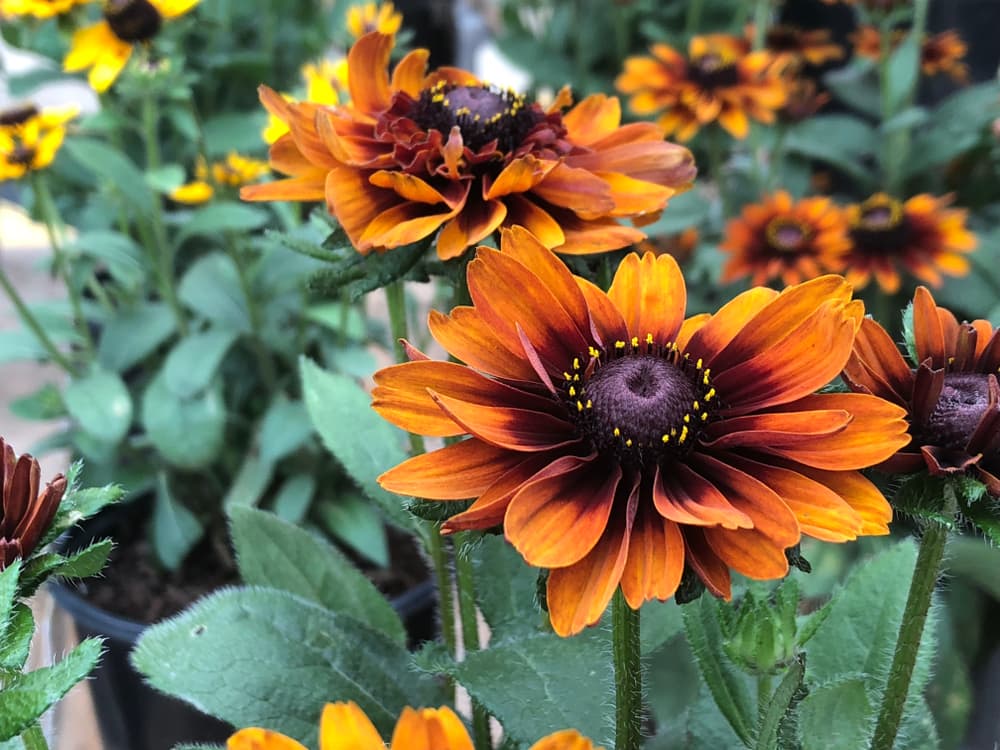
(291, 503)
(175, 529)
(124, 259)
(101, 405)
(856, 84)
(836, 716)
(134, 334)
(506, 589)
(909, 118)
(211, 288)
(903, 69)
(977, 561)
(358, 524)
(542, 683)
(956, 126)
(116, 169)
(219, 217)
(16, 643)
(45, 403)
(250, 482)
(26, 697)
(840, 140)
(778, 706)
(234, 131)
(274, 553)
(9, 577)
(701, 623)
(661, 622)
(192, 364)
(188, 432)
(78, 505)
(358, 274)
(285, 427)
(87, 562)
(166, 179)
(359, 438)
(231, 655)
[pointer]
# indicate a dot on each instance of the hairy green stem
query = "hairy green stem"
(34, 738)
(466, 585)
(31, 322)
(628, 673)
(911, 628)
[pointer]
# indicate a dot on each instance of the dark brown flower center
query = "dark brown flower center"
(713, 71)
(17, 114)
(963, 402)
(21, 155)
(881, 226)
(787, 235)
(783, 38)
(133, 20)
(639, 401)
(483, 113)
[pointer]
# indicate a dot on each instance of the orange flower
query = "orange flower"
(941, 53)
(344, 726)
(952, 397)
(786, 239)
(812, 46)
(618, 443)
(922, 235)
(419, 153)
(719, 81)
(804, 100)
(26, 512)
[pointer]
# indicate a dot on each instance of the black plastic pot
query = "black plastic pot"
(132, 715)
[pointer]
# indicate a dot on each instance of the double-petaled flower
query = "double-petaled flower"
(105, 47)
(718, 81)
(28, 508)
(786, 239)
(950, 392)
(619, 443)
(922, 235)
(418, 154)
(344, 726)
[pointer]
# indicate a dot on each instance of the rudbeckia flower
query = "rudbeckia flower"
(326, 81)
(106, 46)
(27, 508)
(418, 153)
(30, 138)
(804, 99)
(941, 53)
(235, 171)
(618, 443)
(369, 17)
(344, 726)
(951, 392)
(812, 46)
(786, 239)
(718, 81)
(38, 8)
(922, 235)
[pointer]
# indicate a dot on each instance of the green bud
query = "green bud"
(760, 634)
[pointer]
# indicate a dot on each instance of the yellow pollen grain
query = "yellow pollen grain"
(593, 352)
(579, 406)
(684, 434)
(628, 443)
(567, 376)
(649, 339)
(704, 416)
(635, 342)
(687, 419)
(673, 431)
(665, 438)
(619, 345)
(704, 380)
(695, 406)
(710, 395)
(572, 391)
(618, 433)
(590, 404)
(576, 363)
(698, 364)
(576, 378)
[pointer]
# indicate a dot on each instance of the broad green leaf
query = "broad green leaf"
(661, 622)
(292, 500)
(354, 521)
(956, 125)
(542, 683)
(224, 216)
(193, 362)
(188, 432)
(116, 169)
(977, 561)
(16, 643)
(133, 334)
(836, 716)
(232, 653)
(359, 438)
(101, 405)
(26, 697)
(125, 260)
(165, 179)
(274, 553)
(903, 70)
(234, 131)
(211, 288)
(687, 210)
(506, 589)
(358, 274)
(250, 482)
(175, 529)
(45, 403)
(285, 427)
(856, 85)
(839, 140)
(697, 725)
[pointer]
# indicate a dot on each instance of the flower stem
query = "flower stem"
(395, 295)
(918, 602)
(50, 216)
(628, 673)
(465, 583)
(34, 738)
(31, 322)
(716, 162)
(761, 20)
(693, 19)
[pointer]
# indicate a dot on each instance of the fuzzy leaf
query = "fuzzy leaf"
(16, 643)
(133, 334)
(101, 405)
(357, 523)
(211, 288)
(274, 553)
(358, 274)
(192, 364)
(233, 654)
(284, 429)
(836, 716)
(187, 432)
(9, 579)
(506, 589)
(292, 500)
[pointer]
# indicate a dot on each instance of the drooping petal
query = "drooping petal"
(655, 561)
(355, 201)
(344, 726)
(606, 319)
(403, 224)
(476, 221)
(368, 73)
(684, 496)
(523, 212)
(456, 472)
(651, 296)
(712, 571)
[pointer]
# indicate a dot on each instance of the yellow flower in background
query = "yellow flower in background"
(38, 8)
(105, 47)
(380, 17)
(234, 171)
(345, 725)
(326, 83)
(30, 138)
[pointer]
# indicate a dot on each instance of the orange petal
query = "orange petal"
(579, 190)
(475, 222)
(429, 729)
(456, 472)
(514, 428)
(567, 739)
(876, 432)
(655, 561)
(520, 244)
(706, 563)
(556, 520)
(465, 335)
(858, 492)
(523, 212)
(881, 358)
(651, 296)
(578, 595)
(927, 330)
(293, 189)
(658, 162)
(784, 429)
(715, 333)
(607, 321)
(355, 201)
(368, 73)
(635, 197)
(682, 495)
(344, 726)
(520, 176)
(749, 552)
(408, 186)
(409, 73)
(262, 739)
(594, 118)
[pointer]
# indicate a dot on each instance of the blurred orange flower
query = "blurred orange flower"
(941, 53)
